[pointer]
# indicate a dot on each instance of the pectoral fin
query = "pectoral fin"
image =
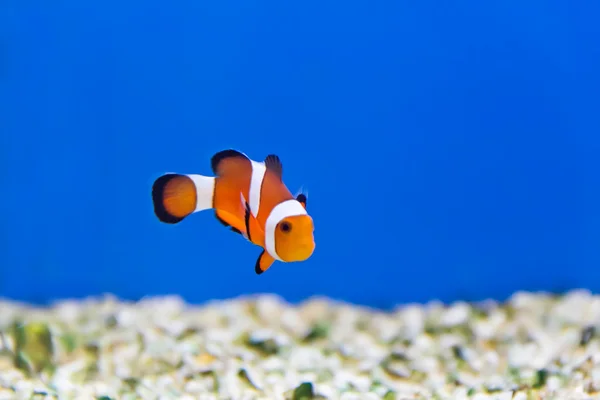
(263, 262)
(302, 199)
(229, 220)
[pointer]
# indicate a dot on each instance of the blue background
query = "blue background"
(450, 151)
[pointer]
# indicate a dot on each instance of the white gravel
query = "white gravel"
(534, 346)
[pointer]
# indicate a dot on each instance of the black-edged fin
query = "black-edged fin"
(173, 197)
(247, 221)
(230, 220)
(223, 155)
(263, 262)
(273, 164)
(222, 221)
(302, 199)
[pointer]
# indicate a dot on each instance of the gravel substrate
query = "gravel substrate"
(534, 346)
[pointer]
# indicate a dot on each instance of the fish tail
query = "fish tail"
(175, 196)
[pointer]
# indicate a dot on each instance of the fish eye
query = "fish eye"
(285, 227)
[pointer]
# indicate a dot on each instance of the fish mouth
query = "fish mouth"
(302, 251)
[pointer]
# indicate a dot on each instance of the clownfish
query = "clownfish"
(247, 196)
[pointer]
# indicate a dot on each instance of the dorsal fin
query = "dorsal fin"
(222, 155)
(273, 164)
(302, 199)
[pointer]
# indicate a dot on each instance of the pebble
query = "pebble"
(534, 345)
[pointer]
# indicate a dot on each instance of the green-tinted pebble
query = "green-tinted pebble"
(304, 392)
(34, 350)
(319, 331)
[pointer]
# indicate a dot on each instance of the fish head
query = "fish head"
(294, 238)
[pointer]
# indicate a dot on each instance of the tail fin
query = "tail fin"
(175, 196)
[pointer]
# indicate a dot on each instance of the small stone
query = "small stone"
(250, 377)
(390, 395)
(34, 347)
(456, 315)
(320, 330)
(586, 335)
(413, 317)
(304, 391)
(540, 378)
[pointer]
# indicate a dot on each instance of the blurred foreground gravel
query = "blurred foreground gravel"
(534, 346)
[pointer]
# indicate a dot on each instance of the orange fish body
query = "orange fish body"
(247, 196)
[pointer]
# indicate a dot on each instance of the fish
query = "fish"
(247, 196)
